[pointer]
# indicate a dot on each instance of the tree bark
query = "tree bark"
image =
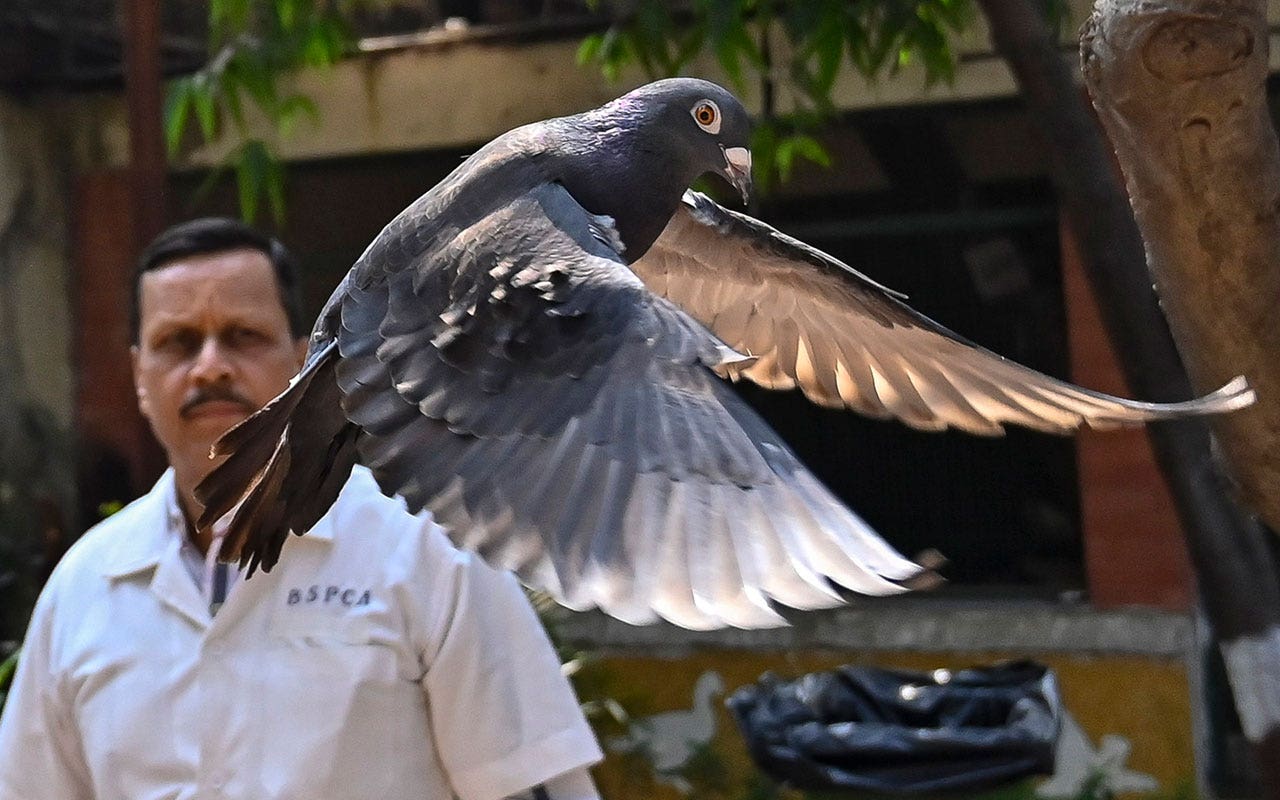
(1238, 587)
(1180, 88)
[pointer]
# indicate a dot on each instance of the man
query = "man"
(375, 662)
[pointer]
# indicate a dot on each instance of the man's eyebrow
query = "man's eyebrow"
(257, 321)
(164, 324)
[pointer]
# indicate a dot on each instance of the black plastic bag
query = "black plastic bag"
(903, 732)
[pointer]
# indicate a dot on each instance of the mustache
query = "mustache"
(215, 394)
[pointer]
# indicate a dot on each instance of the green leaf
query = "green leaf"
(275, 190)
(611, 54)
(731, 40)
(204, 94)
(287, 12)
(650, 36)
(315, 51)
(231, 97)
(764, 148)
(8, 668)
(589, 50)
(859, 47)
(693, 40)
(253, 168)
(258, 79)
(828, 45)
(254, 43)
(810, 149)
(211, 180)
(293, 109)
(227, 17)
(783, 158)
(325, 42)
(177, 102)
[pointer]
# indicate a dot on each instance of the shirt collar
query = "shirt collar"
(149, 528)
(156, 519)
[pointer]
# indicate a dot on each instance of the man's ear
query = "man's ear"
(141, 393)
(300, 349)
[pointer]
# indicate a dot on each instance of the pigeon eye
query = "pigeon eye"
(707, 115)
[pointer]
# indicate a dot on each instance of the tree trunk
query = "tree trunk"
(1237, 583)
(1180, 87)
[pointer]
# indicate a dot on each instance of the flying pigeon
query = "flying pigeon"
(534, 350)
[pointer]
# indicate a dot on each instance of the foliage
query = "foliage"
(253, 43)
(34, 481)
(34, 496)
(608, 712)
(7, 669)
(800, 44)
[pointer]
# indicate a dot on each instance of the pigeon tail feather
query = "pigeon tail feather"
(279, 477)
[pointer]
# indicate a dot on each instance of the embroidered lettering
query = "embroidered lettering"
(349, 596)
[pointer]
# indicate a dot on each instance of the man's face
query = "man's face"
(213, 347)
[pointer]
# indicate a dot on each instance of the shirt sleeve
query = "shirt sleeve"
(40, 753)
(573, 785)
(504, 717)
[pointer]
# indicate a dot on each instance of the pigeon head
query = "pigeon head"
(633, 158)
(697, 126)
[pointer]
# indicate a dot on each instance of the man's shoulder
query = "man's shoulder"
(115, 539)
(362, 503)
(364, 514)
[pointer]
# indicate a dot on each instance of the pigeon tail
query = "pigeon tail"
(280, 477)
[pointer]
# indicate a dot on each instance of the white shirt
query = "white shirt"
(374, 661)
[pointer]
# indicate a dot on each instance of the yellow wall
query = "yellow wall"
(1144, 699)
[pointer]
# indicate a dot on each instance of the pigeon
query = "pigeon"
(539, 351)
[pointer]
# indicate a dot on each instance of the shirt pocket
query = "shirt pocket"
(297, 628)
(336, 709)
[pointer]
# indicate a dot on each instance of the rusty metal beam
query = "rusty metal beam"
(144, 97)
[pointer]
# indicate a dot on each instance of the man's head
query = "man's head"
(217, 332)
(217, 235)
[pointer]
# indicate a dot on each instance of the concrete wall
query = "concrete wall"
(1128, 683)
(36, 373)
(450, 91)
(34, 313)
(37, 486)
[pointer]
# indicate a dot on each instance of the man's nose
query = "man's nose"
(211, 364)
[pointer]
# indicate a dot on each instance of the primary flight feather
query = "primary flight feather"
(534, 351)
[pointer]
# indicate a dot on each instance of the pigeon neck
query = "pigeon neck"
(640, 210)
(635, 183)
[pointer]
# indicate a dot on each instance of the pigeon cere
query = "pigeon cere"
(538, 350)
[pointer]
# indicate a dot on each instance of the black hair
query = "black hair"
(208, 235)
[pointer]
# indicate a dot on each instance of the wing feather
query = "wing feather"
(843, 339)
(567, 424)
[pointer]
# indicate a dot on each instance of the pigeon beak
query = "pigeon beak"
(737, 169)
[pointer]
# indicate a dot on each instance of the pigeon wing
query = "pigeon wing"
(522, 384)
(811, 321)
